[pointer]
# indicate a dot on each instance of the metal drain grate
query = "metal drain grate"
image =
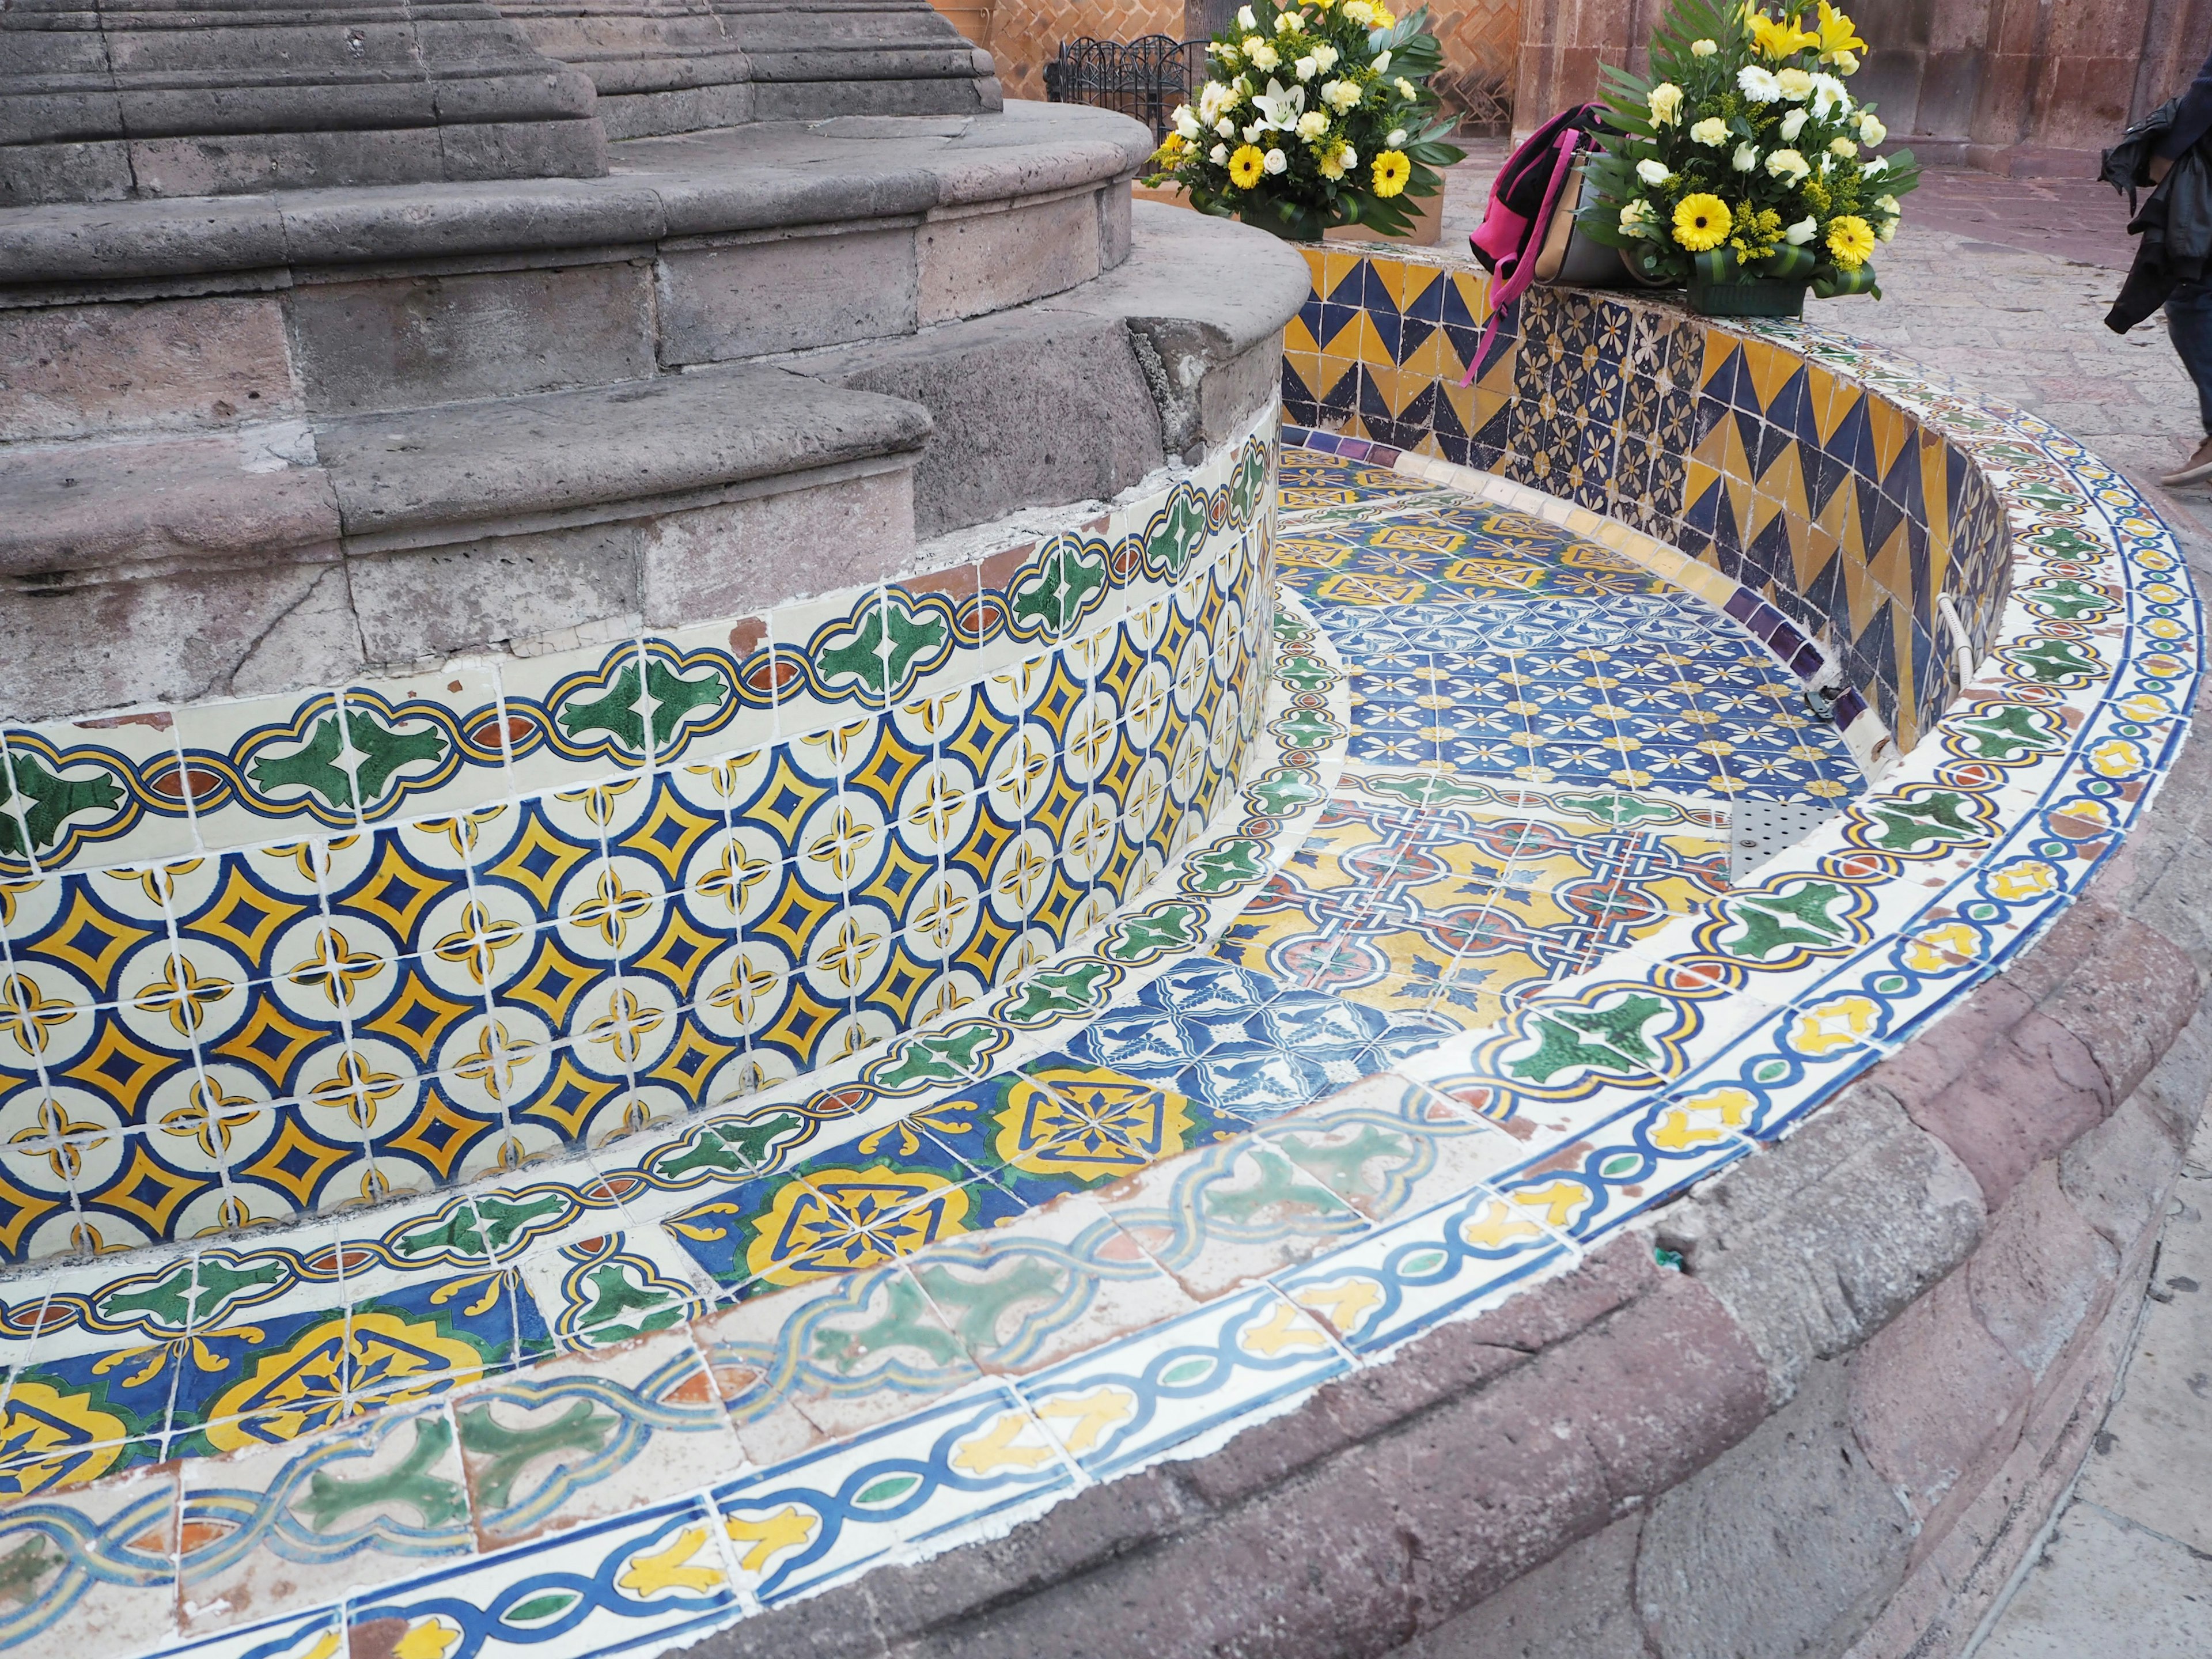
(1759, 830)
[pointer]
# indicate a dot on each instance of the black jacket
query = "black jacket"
(2174, 221)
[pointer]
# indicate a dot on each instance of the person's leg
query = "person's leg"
(2189, 323)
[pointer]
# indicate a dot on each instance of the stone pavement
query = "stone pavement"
(2128, 1567)
(2002, 284)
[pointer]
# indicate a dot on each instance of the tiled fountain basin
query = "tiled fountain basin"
(1336, 1452)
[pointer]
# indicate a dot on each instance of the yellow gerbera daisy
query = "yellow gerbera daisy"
(1392, 169)
(1701, 222)
(1245, 165)
(1850, 239)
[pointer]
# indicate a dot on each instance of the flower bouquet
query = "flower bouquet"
(1746, 170)
(1314, 113)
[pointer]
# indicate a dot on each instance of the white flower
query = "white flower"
(1359, 12)
(1218, 155)
(1829, 96)
(1252, 133)
(1251, 44)
(1275, 161)
(1326, 55)
(1887, 205)
(1704, 48)
(1342, 96)
(1712, 130)
(1287, 23)
(1407, 89)
(1871, 129)
(1827, 164)
(1666, 104)
(1795, 84)
(1186, 122)
(1802, 232)
(1652, 173)
(1788, 166)
(1225, 127)
(1246, 22)
(1264, 57)
(1349, 156)
(1746, 158)
(1218, 99)
(1638, 218)
(1381, 65)
(1278, 108)
(1842, 148)
(1867, 169)
(1792, 125)
(1312, 124)
(1397, 137)
(1305, 68)
(1886, 230)
(1848, 62)
(1757, 84)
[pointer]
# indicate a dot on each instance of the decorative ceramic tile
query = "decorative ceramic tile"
(937, 1045)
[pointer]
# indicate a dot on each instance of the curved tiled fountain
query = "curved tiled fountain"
(1559, 791)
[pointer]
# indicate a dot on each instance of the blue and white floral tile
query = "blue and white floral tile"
(1183, 1383)
(280, 1530)
(587, 1437)
(641, 1582)
(978, 1458)
(98, 1571)
(1426, 1267)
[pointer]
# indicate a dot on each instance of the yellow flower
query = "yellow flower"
(1383, 19)
(1701, 222)
(1392, 169)
(1837, 35)
(1850, 239)
(1245, 165)
(1778, 40)
(1172, 151)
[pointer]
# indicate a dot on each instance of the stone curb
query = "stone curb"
(1845, 1418)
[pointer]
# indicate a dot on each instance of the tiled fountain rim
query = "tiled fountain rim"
(1732, 441)
(186, 788)
(2045, 779)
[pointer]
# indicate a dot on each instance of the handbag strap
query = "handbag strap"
(1509, 285)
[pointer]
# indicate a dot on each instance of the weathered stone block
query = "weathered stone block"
(1820, 1241)
(745, 555)
(1786, 1547)
(2002, 1085)
(1579, 1605)
(1933, 1397)
(2041, 1273)
(1321, 1568)
(974, 261)
(402, 343)
(74, 508)
(1027, 410)
(788, 294)
(2121, 989)
(173, 638)
(73, 371)
(500, 590)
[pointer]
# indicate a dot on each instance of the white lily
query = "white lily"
(1280, 106)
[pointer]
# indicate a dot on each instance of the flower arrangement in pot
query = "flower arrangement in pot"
(1314, 113)
(1745, 168)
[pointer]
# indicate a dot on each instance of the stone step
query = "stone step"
(514, 521)
(712, 247)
